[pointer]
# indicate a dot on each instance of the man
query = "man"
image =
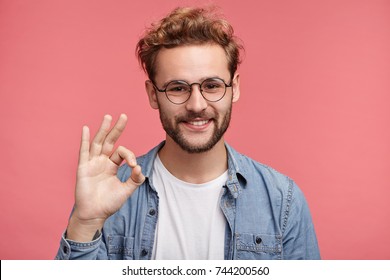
(193, 196)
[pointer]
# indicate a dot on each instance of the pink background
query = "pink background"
(314, 104)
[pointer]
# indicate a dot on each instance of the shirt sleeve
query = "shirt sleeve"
(299, 237)
(72, 250)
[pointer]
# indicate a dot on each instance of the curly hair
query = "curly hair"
(188, 26)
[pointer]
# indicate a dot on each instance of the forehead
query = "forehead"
(191, 63)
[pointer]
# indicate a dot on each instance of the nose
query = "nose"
(196, 103)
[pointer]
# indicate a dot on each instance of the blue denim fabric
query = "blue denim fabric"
(267, 217)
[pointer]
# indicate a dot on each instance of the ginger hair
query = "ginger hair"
(188, 26)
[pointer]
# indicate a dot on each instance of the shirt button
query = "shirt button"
(65, 249)
(152, 212)
(258, 240)
(144, 252)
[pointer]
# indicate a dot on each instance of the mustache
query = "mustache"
(193, 115)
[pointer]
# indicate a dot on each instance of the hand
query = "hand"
(99, 193)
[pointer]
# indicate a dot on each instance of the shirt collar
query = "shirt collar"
(236, 169)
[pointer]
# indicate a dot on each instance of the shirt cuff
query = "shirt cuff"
(70, 249)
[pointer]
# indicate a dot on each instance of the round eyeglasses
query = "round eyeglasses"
(178, 92)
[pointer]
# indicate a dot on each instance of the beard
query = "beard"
(174, 131)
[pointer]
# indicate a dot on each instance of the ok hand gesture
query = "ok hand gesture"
(99, 193)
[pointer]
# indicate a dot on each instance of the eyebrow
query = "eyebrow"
(200, 80)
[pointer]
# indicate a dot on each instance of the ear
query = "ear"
(236, 87)
(151, 91)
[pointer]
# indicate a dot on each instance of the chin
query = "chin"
(196, 148)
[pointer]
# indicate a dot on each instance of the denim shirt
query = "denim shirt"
(267, 217)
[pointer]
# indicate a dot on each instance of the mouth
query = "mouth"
(198, 124)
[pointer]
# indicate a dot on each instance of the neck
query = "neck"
(196, 168)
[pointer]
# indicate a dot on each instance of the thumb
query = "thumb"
(137, 178)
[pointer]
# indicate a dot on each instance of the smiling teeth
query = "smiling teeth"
(199, 123)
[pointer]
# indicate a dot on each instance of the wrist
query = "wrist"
(83, 230)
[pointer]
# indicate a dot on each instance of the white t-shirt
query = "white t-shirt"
(190, 224)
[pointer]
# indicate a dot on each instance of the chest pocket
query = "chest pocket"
(258, 246)
(120, 247)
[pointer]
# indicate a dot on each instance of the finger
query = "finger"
(113, 135)
(120, 154)
(136, 178)
(97, 143)
(84, 145)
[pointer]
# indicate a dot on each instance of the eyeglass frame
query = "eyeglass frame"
(190, 85)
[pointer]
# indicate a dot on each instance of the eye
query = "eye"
(177, 87)
(212, 85)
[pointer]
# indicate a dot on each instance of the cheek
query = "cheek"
(168, 112)
(223, 108)
(164, 105)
